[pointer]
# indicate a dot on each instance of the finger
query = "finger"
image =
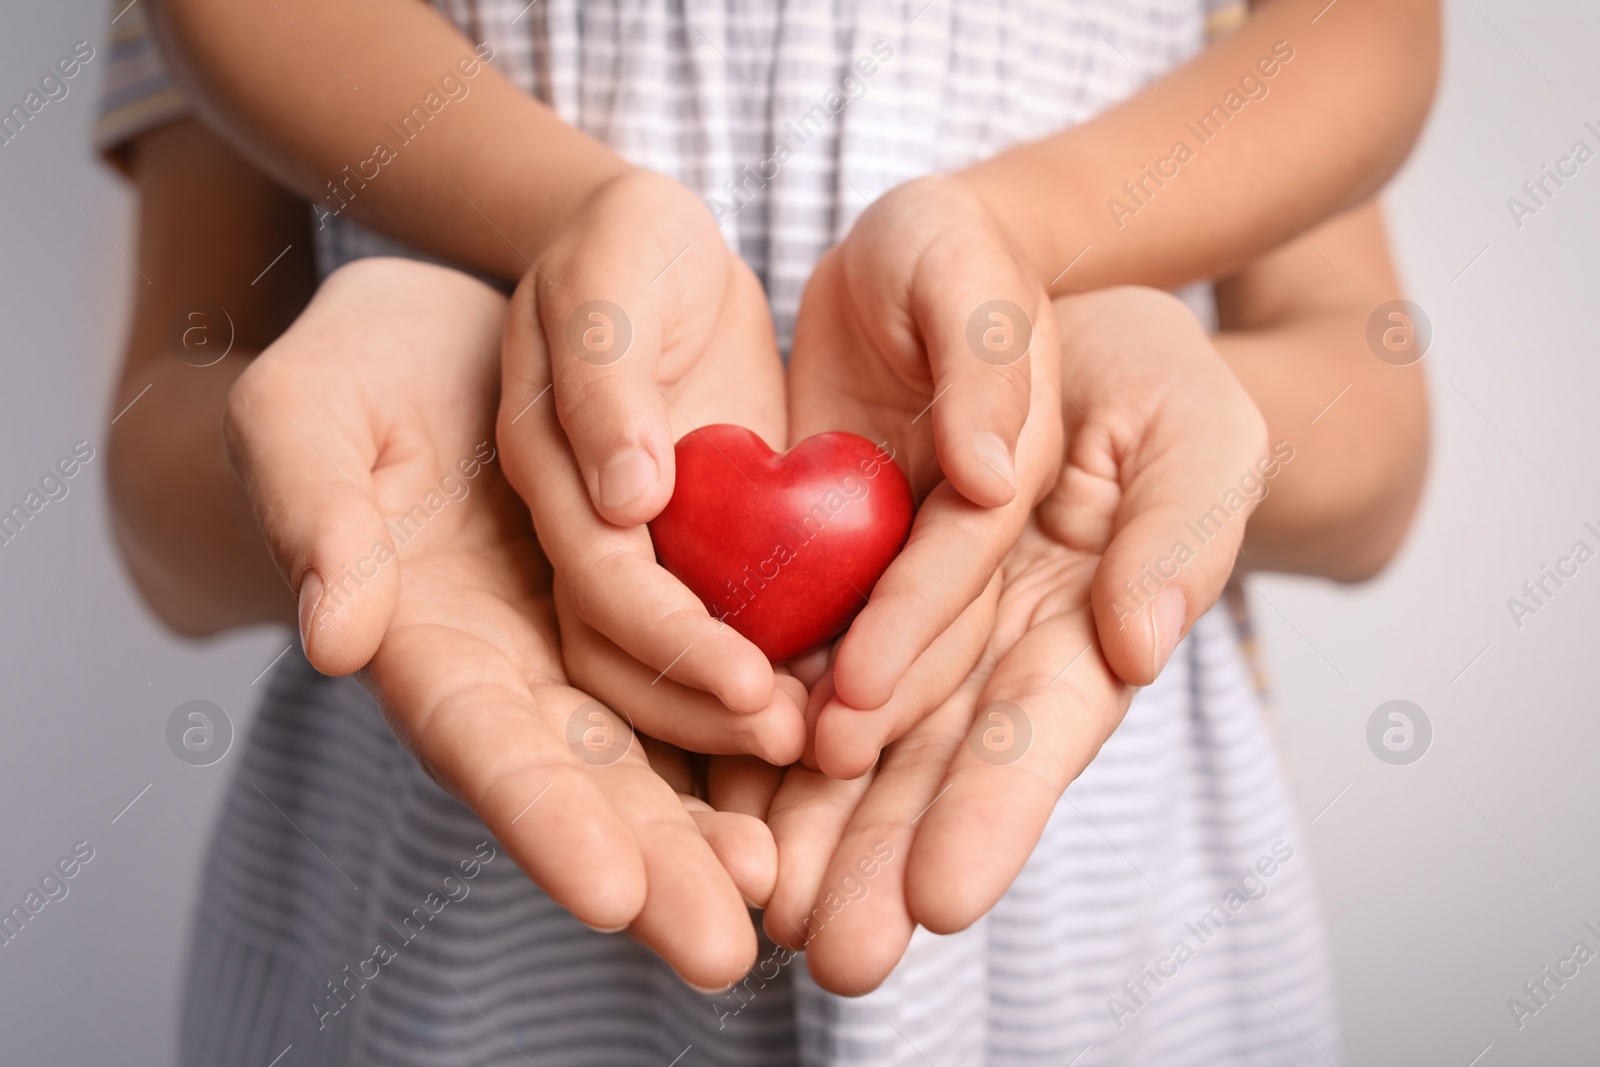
(809, 666)
(822, 693)
(603, 354)
(677, 714)
(949, 559)
(745, 847)
(1177, 529)
(742, 784)
(670, 763)
(1040, 718)
(478, 731)
(623, 323)
(808, 817)
(695, 915)
(305, 431)
(737, 376)
(612, 310)
(861, 934)
(589, 820)
(980, 325)
(1171, 558)
(953, 551)
(847, 741)
(615, 583)
(308, 473)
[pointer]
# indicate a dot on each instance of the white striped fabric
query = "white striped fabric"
(704, 90)
(1168, 915)
(1184, 802)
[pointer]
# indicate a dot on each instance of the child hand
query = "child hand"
(641, 325)
(921, 329)
(1068, 644)
(364, 436)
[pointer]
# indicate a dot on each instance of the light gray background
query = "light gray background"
(1447, 883)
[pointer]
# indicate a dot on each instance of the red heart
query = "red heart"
(784, 548)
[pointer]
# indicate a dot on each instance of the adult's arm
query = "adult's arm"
(209, 226)
(1294, 330)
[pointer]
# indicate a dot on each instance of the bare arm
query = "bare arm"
(208, 225)
(1294, 331)
(308, 90)
(1329, 127)
(1337, 119)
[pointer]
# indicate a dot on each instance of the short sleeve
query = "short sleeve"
(138, 94)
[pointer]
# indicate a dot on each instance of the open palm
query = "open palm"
(1157, 431)
(365, 436)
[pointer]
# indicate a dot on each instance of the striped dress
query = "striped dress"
(352, 913)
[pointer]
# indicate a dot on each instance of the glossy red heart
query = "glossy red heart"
(784, 548)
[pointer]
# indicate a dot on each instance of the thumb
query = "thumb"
(603, 356)
(635, 299)
(1173, 550)
(982, 326)
(312, 493)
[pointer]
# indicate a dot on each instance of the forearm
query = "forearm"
(224, 266)
(1334, 122)
(1294, 330)
(1359, 431)
(182, 520)
(478, 182)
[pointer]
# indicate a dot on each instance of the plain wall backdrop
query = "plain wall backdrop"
(1447, 883)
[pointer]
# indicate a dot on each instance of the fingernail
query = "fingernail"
(606, 930)
(993, 451)
(1166, 617)
(706, 990)
(310, 597)
(628, 475)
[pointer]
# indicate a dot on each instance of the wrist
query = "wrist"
(1048, 222)
(586, 184)
(628, 221)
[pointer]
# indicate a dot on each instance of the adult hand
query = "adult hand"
(1092, 600)
(640, 324)
(365, 438)
(921, 329)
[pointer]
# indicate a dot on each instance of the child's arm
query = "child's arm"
(181, 518)
(1297, 336)
(1336, 120)
(1344, 100)
(310, 90)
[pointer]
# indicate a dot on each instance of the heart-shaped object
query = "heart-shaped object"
(783, 548)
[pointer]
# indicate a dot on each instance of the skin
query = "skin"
(1156, 429)
(382, 388)
(1342, 116)
(1294, 331)
(383, 385)
(208, 224)
(1026, 217)
(702, 351)
(551, 205)
(1339, 118)
(1304, 325)
(1147, 391)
